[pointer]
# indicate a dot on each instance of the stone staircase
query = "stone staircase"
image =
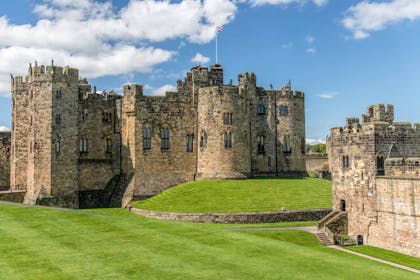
(332, 226)
(323, 238)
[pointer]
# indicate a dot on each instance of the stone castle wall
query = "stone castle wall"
(359, 155)
(316, 162)
(68, 140)
(4, 160)
(397, 226)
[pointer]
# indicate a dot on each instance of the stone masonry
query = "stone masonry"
(376, 179)
(72, 146)
(4, 160)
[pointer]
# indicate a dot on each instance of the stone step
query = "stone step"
(323, 239)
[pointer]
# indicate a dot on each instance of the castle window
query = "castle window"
(83, 145)
(58, 146)
(106, 117)
(227, 118)
(346, 162)
(58, 93)
(58, 119)
(83, 116)
(228, 140)
(190, 143)
(260, 142)
(108, 145)
(286, 144)
(164, 145)
(284, 110)
(380, 163)
(147, 138)
(269, 162)
(261, 109)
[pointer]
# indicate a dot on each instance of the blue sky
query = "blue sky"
(345, 55)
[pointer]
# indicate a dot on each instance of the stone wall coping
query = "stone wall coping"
(236, 218)
(8, 191)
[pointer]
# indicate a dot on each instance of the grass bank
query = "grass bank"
(253, 195)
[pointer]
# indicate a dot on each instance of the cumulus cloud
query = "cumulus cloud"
(311, 141)
(4, 128)
(366, 17)
(101, 40)
(286, 2)
(311, 51)
(310, 39)
(160, 91)
(200, 59)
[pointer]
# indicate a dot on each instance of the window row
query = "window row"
(346, 161)
(83, 145)
(147, 138)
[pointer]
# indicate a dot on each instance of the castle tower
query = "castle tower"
(50, 122)
(290, 130)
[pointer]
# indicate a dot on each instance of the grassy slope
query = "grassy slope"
(255, 195)
(387, 255)
(41, 243)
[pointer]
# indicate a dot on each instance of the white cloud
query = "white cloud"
(287, 45)
(311, 51)
(100, 40)
(286, 2)
(310, 39)
(161, 91)
(367, 17)
(200, 59)
(4, 128)
(311, 141)
(328, 95)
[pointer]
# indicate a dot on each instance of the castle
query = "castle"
(74, 147)
(375, 168)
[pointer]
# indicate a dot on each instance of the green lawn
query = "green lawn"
(43, 243)
(387, 255)
(254, 195)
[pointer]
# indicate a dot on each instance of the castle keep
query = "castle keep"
(376, 181)
(74, 147)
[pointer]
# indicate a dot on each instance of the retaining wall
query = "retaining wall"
(237, 218)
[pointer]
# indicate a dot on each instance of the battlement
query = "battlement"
(133, 89)
(247, 78)
(377, 113)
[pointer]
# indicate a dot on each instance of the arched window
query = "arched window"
(147, 138)
(260, 142)
(164, 138)
(227, 118)
(380, 165)
(228, 140)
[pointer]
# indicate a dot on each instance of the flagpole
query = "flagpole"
(217, 32)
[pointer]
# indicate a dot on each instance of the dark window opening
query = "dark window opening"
(284, 110)
(380, 166)
(164, 138)
(261, 109)
(260, 142)
(147, 138)
(58, 119)
(190, 143)
(346, 162)
(106, 117)
(269, 162)
(228, 140)
(342, 205)
(57, 146)
(286, 144)
(108, 145)
(227, 118)
(83, 145)
(58, 93)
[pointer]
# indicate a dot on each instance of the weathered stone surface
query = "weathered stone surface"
(237, 218)
(12, 196)
(384, 210)
(68, 140)
(4, 160)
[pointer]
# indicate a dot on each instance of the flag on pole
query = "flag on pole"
(219, 28)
